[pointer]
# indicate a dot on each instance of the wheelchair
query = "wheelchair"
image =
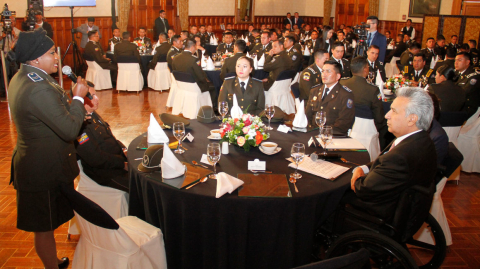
(351, 228)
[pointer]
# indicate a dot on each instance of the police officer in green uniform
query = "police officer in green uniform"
(276, 62)
(254, 39)
(44, 161)
(312, 75)
(374, 65)
(474, 52)
(126, 48)
(177, 47)
(420, 71)
(429, 51)
(294, 54)
(440, 48)
(338, 50)
(469, 81)
(161, 51)
(115, 39)
(231, 62)
(314, 42)
(249, 90)
(407, 56)
(228, 45)
(94, 52)
(264, 46)
(451, 96)
(336, 100)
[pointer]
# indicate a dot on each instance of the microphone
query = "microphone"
(68, 71)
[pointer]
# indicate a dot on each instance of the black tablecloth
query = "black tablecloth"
(201, 231)
(211, 48)
(146, 58)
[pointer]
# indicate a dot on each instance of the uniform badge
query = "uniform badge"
(379, 96)
(306, 76)
(314, 98)
(83, 138)
(36, 78)
(173, 56)
(350, 103)
(198, 62)
(294, 57)
(96, 49)
(473, 81)
(145, 161)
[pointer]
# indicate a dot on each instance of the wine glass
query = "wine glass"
(213, 156)
(179, 133)
(269, 112)
(297, 153)
(321, 118)
(222, 109)
(326, 134)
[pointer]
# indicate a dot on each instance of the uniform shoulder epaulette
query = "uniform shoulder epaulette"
(429, 72)
(294, 50)
(34, 77)
(346, 60)
(346, 88)
(311, 69)
(318, 85)
(473, 74)
(256, 79)
(232, 77)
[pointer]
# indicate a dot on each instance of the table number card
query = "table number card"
(257, 165)
(284, 128)
(189, 136)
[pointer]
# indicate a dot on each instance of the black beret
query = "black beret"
(31, 45)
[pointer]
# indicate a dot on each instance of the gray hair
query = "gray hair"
(420, 104)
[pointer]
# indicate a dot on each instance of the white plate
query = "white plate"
(214, 138)
(277, 150)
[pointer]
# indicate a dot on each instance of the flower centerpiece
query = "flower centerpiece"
(396, 82)
(245, 132)
(140, 45)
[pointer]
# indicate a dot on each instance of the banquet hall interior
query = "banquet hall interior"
(127, 103)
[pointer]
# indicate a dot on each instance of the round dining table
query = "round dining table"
(201, 231)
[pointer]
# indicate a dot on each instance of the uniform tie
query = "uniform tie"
(325, 93)
(242, 86)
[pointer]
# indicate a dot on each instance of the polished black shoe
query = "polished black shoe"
(64, 263)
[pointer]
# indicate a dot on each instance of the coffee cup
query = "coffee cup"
(269, 147)
(215, 133)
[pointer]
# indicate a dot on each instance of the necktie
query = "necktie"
(325, 93)
(242, 86)
(392, 146)
(417, 73)
(369, 39)
(264, 47)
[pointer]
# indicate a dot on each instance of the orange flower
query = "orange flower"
(258, 138)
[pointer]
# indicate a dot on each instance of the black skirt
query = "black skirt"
(42, 211)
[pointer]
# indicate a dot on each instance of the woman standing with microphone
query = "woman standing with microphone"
(44, 159)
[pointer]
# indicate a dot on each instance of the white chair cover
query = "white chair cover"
(136, 244)
(98, 76)
(452, 133)
(129, 77)
(279, 95)
(111, 200)
(188, 99)
(171, 93)
(159, 79)
(391, 67)
(469, 144)
(296, 79)
(424, 234)
(364, 130)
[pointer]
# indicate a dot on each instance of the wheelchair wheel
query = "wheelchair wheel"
(385, 253)
(436, 253)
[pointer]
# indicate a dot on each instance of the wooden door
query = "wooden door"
(351, 12)
(144, 12)
(471, 8)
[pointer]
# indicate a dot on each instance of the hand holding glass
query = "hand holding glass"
(179, 133)
(326, 134)
(297, 153)
(213, 155)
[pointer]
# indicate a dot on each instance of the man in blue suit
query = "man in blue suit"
(376, 38)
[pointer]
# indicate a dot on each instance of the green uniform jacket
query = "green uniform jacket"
(254, 97)
(172, 53)
(338, 104)
(469, 81)
(222, 48)
(427, 72)
(276, 65)
(406, 58)
(230, 65)
(160, 54)
(309, 77)
(296, 57)
(47, 123)
(346, 73)
(452, 97)
(186, 62)
(115, 41)
(378, 66)
(254, 41)
(258, 49)
(95, 52)
(126, 48)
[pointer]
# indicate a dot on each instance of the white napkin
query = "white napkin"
(156, 135)
(213, 40)
(112, 46)
(433, 62)
(204, 62)
(226, 183)
(210, 65)
(306, 52)
(248, 55)
(255, 62)
(261, 62)
(171, 166)
(300, 120)
(379, 83)
(236, 112)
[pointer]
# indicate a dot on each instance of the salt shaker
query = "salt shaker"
(225, 147)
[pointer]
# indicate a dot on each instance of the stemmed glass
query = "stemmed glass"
(297, 153)
(222, 109)
(326, 134)
(269, 112)
(321, 118)
(213, 156)
(179, 133)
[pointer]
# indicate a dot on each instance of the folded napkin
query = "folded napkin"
(300, 120)
(204, 62)
(112, 46)
(306, 52)
(226, 183)
(236, 112)
(171, 166)
(261, 62)
(210, 65)
(255, 62)
(213, 40)
(379, 83)
(156, 135)
(433, 62)
(248, 55)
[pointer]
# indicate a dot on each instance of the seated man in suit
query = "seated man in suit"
(367, 95)
(161, 51)
(336, 100)
(314, 42)
(103, 157)
(117, 38)
(142, 32)
(312, 75)
(375, 66)
(294, 54)
(338, 50)
(276, 62)
(85, 28)
(407, 56)
(94, 52)
(453, 42)
(228, 45)
(126, 48)
(409, 160)
(230, 63)
(177, 48)
(420, 72)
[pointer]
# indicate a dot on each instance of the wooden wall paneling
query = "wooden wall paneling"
(472, 29)
(471, 8)
(456, 7)
(451, 26)
(351, 12)
(430, 28)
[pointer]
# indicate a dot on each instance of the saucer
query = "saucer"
(214, 138)
(277, 150)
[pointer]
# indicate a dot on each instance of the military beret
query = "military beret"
(169, 119)
(206, 115)
(31, 45)
(151, 159)
(279, 115)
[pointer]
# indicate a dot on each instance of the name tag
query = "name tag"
(257, 165)
(189, 136)
(284, 128)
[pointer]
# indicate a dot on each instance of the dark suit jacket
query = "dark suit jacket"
(186, 62)
(47, 123)
(286, 21)
(440, 140)
(126, 48)
(451, 96)
(230, 65)
(160, 54)
(161, 27)
(84, 30)
(299, 22)
(381, 41)
(412, 162)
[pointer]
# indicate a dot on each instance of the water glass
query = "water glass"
(298, 153)
(213, 155)
(269, 112)
(179, 132)
(326, 135)
(223, 110)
